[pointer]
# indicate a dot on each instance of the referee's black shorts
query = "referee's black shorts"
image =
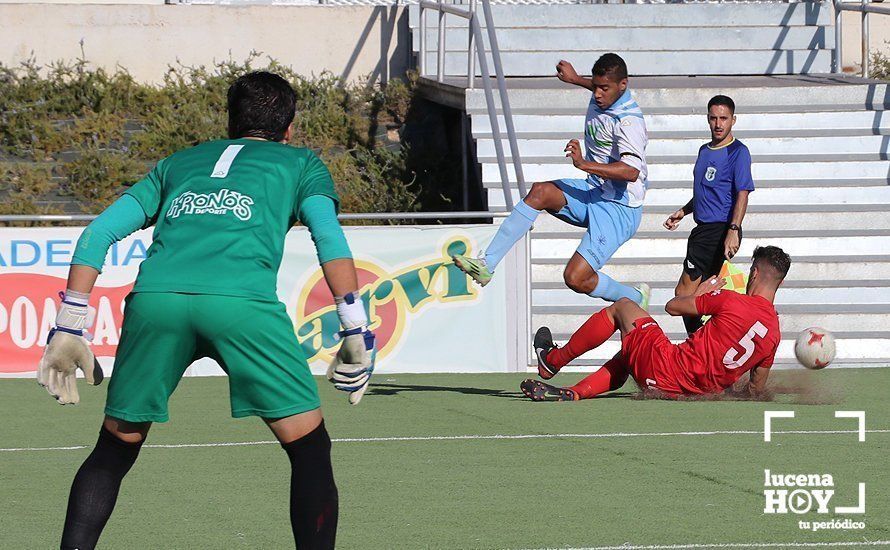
(704, 250)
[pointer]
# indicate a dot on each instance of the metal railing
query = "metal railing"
(864, 7)
(341, 217)
(476, 51)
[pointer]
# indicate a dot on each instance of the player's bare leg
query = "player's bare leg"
(98, 481)
(579, 276)
(544, 195)
(624, 313)
(314, 504)
(584, 279)
(292, 428)
(686, 287)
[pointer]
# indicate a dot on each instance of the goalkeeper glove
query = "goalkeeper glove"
(67, 350)
(352, 367)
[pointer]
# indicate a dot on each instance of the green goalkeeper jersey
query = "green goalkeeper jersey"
(221, 211)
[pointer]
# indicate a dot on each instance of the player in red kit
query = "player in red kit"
(741, 336)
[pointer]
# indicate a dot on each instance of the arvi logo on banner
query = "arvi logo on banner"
(390, 297)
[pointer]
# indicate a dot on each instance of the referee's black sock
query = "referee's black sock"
(313, 493)
(95, 490)
(693, 323)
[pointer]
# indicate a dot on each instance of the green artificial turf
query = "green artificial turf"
(564, 491)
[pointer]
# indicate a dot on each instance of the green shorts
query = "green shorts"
(253, 341)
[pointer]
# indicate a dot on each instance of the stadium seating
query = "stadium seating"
(655, 39)
(820, 163)
(820, 150)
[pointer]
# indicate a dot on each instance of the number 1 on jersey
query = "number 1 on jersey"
(221, 169)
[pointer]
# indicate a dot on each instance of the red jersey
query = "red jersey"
(743, 333)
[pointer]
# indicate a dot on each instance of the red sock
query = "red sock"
(611, 376)
(592, 333)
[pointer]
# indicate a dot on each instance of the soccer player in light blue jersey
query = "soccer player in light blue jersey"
(608, 203)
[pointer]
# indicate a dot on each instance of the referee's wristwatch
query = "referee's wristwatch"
(735, 227)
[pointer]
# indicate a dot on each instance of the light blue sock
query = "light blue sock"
(609, 289)
(517, 224)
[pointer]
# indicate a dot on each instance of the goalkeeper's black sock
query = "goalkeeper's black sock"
(313, 493)
(95, 490)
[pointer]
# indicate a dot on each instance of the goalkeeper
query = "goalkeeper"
(207, 288)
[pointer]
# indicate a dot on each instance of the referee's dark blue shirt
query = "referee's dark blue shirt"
(719, 174)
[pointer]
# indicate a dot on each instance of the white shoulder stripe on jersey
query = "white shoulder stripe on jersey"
(221, 169)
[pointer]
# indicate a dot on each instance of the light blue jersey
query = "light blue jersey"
(618, 134)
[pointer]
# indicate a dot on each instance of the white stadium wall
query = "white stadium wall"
(147, 36)
(351, 42)
(878, 38)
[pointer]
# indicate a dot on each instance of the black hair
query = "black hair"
(724, 100)
(611, 65)
(261, 105)
(774, 257)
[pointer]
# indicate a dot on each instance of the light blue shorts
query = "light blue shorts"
(609, 224)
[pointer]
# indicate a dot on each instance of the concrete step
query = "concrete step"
(560, 338)
(642, 248)
(662, 237)
(833, 317)
(674, 198)
(852, 346)
(665, 271)
(629, 38)
(675, 95)
(789, 282)
(850, 184)
(660, 62)
(864, 347)
(827, 172)
(810, 217)
(817, 296)
(664, 126)
(674, 184)
(643, 15)
(686, 157)
(811, 148)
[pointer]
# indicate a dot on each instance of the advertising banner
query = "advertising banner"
(428, 316)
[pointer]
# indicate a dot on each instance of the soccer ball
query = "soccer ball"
(815, 348)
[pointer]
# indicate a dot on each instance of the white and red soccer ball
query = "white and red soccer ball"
(815, 348)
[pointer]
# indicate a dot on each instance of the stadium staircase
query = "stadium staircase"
(819, 144)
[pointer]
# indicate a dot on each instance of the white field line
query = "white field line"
(843, 544)
(465, 438)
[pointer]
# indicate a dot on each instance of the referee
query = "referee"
(721, 183)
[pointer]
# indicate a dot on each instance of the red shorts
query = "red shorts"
(651, 357)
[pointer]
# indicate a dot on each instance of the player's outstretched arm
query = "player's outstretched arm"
(565, 71)
(686, 305)
(66, 349)
(351, 369)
